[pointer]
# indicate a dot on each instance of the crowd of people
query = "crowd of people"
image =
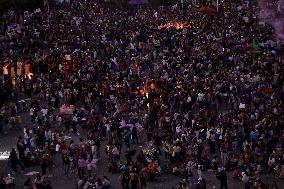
(208, 93)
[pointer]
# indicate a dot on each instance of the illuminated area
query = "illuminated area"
(4, 155)
(175, 25)
(271, 12)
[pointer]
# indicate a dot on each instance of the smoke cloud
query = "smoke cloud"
(271, 12)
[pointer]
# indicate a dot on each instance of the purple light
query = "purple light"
(271, 12)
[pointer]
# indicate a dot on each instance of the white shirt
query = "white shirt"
(178, 129)
(32, 111)
(115, 151)
(188, 99)
(200, 97)
(44, 112)
(107, 127)
(176, 149)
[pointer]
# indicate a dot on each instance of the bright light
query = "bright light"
(14, 81)
(175, 25)
(29, 75)
(4, 155)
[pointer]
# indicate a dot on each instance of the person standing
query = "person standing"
(201, 184)
(81, 167)
(13, 158)
(28, 184)
(222, 177)
(21, 150)
(124, 180)
(143, 177)
(135, 135)
(66, 165)
(133, 180)
(44, 165)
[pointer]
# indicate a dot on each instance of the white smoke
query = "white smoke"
(271, 12)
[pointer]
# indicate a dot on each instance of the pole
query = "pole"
(217, 5)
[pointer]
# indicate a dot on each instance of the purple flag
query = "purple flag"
(138, 2)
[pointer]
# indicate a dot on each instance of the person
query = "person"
(81, 167)
(106, 182)
(115, 154)
(135, 135)
(13, 158)
(143, 177)
(245, 179)
(274, 185)
(2, 182)
(89, 167)
(133, 180)
(66, 164)
(28, 184)
(46, 185)
(201, 184)
(21, 147)
(124, 180)
(44, 164)
(38, 180)
(222, 177)
(99, 184)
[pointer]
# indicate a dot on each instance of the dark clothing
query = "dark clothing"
(222, 177)
(44, 165)
(14, 160)
(2, 183)
(201, 185)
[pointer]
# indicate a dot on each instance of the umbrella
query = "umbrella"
(138, 125)
(206, 10)
(130, 125)
(126, 126)
(122, 127)
(122, 123)
(138, 2)
(31, 173)
(67, 137)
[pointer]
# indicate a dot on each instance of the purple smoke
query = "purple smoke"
(271, 12)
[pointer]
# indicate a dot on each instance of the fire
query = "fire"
(30, 75)
(14, 81)
(176, 25)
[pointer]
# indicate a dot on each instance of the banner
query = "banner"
(138, 2)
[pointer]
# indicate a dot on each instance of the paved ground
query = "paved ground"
(60, 181)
